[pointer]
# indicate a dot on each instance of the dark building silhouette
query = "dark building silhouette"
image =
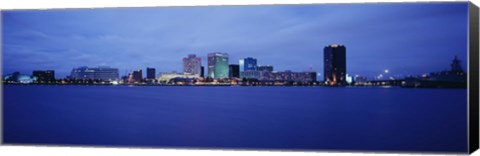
(137, 76)
(335, 64)
(202, 71)
(265, 68)
(455, 66)
(313, 76)
(150, 73)
(234, 71)
(44, 76)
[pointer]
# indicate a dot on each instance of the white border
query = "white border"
(52, 151)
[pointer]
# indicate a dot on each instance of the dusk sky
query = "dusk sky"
(406, 38)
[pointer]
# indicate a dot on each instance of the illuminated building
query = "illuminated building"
(16, 77)
(166, 77)
(192, 65)
(335, 65)
(233, 71)
(100, 73)
(44, 76)
(218, 65)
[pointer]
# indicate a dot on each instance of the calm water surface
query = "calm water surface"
(295, 118)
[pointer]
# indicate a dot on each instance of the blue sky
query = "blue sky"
(406, 38)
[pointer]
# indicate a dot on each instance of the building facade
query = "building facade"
(250, 74)
(99, 73)
(218, 65)
(166, 77)
(288, 76)
(265, 68)
(192, 65)
(137, 76)
(44, 75)
(234, 71)
(248, 64)
(335, 64)
(150, 73)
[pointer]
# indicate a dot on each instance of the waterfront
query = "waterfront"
(296, 118)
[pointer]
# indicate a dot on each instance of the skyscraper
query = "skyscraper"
(218, 65)
(234, 71)
(192, 65)
(202, 72)
(248, 68)
(137, 75)
(248, 64)
(335, 64)
(150, 73)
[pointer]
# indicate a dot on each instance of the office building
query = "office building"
(150, 73)
(44, 76)
(202, 72)
(192, 65)
(99, 73)
(234, 71)
(250, 74)
(137, 76)
(335, 65)
(248, 64)
(218, 65)
(265, 68)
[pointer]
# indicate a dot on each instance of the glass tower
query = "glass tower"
(218, 65)
(248, 64)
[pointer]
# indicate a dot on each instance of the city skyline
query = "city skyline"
(290, 37)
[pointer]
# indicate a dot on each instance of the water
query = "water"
(287, 118)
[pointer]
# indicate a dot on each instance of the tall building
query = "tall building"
(248, 64)
(137, 76)
(234, 71)
(202, 72)
(150, 73)
(44, 75)
(99, 73)
(335, 64)
(265, 68)
(218, 65)
(192, 65)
